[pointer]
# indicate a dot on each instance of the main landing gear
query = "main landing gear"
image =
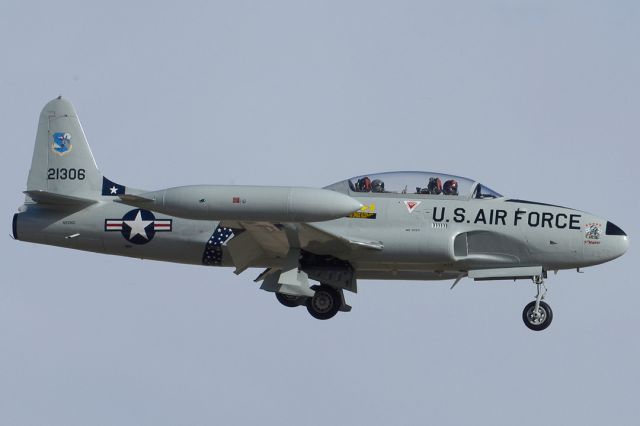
(290, 301)
(537, 315)
(325, 303)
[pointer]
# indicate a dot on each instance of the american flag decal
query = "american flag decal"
(213, 250)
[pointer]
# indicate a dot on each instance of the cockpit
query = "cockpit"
(426, 184)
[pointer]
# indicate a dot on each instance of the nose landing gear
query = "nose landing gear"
(537, 315)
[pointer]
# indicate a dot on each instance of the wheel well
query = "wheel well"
(329, 270)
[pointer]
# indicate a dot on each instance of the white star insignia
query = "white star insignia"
(138, 226)
(113, 189)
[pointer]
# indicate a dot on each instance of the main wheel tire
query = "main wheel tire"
(290, 301)
(325, 303)
(539, 321)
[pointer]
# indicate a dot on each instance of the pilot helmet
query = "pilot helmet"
(450, 187)
(435, 186)
(364, 184)
(377, 186)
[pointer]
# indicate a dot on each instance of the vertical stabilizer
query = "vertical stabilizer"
(62, 160)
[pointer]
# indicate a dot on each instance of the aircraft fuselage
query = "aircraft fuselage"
(434, 238)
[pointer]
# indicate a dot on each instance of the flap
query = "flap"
(273, 241)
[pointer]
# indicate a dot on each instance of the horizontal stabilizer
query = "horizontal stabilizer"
(51, 198)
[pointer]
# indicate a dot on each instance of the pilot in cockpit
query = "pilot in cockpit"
(433, 187)
(450, 187)
(377, 186)
(363, 184)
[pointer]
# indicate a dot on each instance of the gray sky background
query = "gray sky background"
(537, 99)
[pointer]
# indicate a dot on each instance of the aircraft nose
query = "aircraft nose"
(619, 236)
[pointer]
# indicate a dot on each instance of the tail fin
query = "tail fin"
(62, 160)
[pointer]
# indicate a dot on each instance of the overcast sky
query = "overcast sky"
(537, 99)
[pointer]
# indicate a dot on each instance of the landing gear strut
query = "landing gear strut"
(537, 315)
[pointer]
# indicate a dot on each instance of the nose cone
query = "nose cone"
(618, 239)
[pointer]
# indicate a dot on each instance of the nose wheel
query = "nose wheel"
(537, 319)
(537, 315)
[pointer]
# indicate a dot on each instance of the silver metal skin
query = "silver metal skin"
(336, 235)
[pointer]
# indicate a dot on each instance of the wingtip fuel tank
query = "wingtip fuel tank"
(248, 203)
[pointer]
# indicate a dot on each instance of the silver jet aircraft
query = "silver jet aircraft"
(386, 226)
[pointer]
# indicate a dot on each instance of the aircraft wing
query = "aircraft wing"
(270, 242)
(318, 239)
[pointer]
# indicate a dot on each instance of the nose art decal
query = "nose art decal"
(592, 232)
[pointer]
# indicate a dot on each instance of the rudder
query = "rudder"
(62, 160)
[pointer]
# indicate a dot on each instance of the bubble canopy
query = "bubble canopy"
(428, 184)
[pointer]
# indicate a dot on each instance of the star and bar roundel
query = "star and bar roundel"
(138, 226)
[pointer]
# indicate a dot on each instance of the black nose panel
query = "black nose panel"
(614, 230)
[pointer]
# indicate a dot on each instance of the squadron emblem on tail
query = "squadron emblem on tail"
(61, 143)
